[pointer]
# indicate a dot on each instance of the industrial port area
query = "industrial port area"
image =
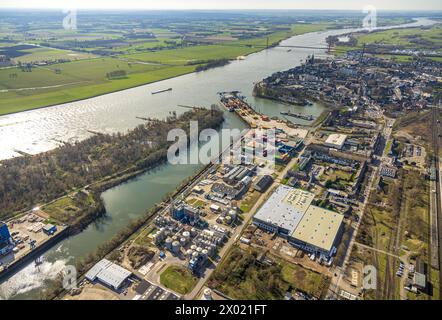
(301, 203)
(22, 237)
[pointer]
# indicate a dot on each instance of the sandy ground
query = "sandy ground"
(94, 293)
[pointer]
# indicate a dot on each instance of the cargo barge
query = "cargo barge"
(297, 115)
(161, 91)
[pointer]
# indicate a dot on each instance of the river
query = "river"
(42, 129)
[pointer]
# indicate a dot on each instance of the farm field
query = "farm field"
(229, 50)
(408, 38)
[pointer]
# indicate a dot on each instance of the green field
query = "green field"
(229, 50)
(406, 37)
(241, 276)
(77, 80)
(178, 279)
(41, 54)
(409, 38)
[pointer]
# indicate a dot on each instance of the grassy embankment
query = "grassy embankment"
(66, 82)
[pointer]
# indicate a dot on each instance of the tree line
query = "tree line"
(28, 181)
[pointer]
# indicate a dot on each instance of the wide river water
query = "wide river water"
(42, 129)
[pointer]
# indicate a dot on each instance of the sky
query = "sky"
(226, 4)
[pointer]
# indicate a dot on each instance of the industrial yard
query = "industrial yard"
(22, 236)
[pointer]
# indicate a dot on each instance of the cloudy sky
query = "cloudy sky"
(227, 4)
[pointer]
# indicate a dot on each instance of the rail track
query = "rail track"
(436, 146)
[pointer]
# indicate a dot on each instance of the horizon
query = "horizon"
(212, 10)
(229, 5)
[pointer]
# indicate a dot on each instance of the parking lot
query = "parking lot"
(147, 291)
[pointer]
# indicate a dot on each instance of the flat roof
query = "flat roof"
(285, 207)
(109, 273)
(318, 227)
(336, 139)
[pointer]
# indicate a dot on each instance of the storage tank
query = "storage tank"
(193, 247)
(183, 241)
(176, 247)
(199, 249)
(195, 255)
(193, 231)
(211, 250)
(189, 254)
(207, 294)
(186, 234)
(204, 254)
(169, 243)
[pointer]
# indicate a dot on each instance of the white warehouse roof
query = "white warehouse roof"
(291, 209)
(319, 227)
(109, 273)
(285, 208)
(336, 140)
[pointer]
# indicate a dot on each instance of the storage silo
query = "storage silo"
(204, 254)
(207, 294)
(169, 243)
(176, 247)
(186, 234)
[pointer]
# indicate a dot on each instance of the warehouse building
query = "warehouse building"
(108, 273)
(336, 141)
(290, 214)
(263, 183)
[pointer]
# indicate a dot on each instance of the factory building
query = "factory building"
(290, 214)
(186, 214)
(108, 273)
(6, 243)
(49, 229)
(263, 183)
(336, 141)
